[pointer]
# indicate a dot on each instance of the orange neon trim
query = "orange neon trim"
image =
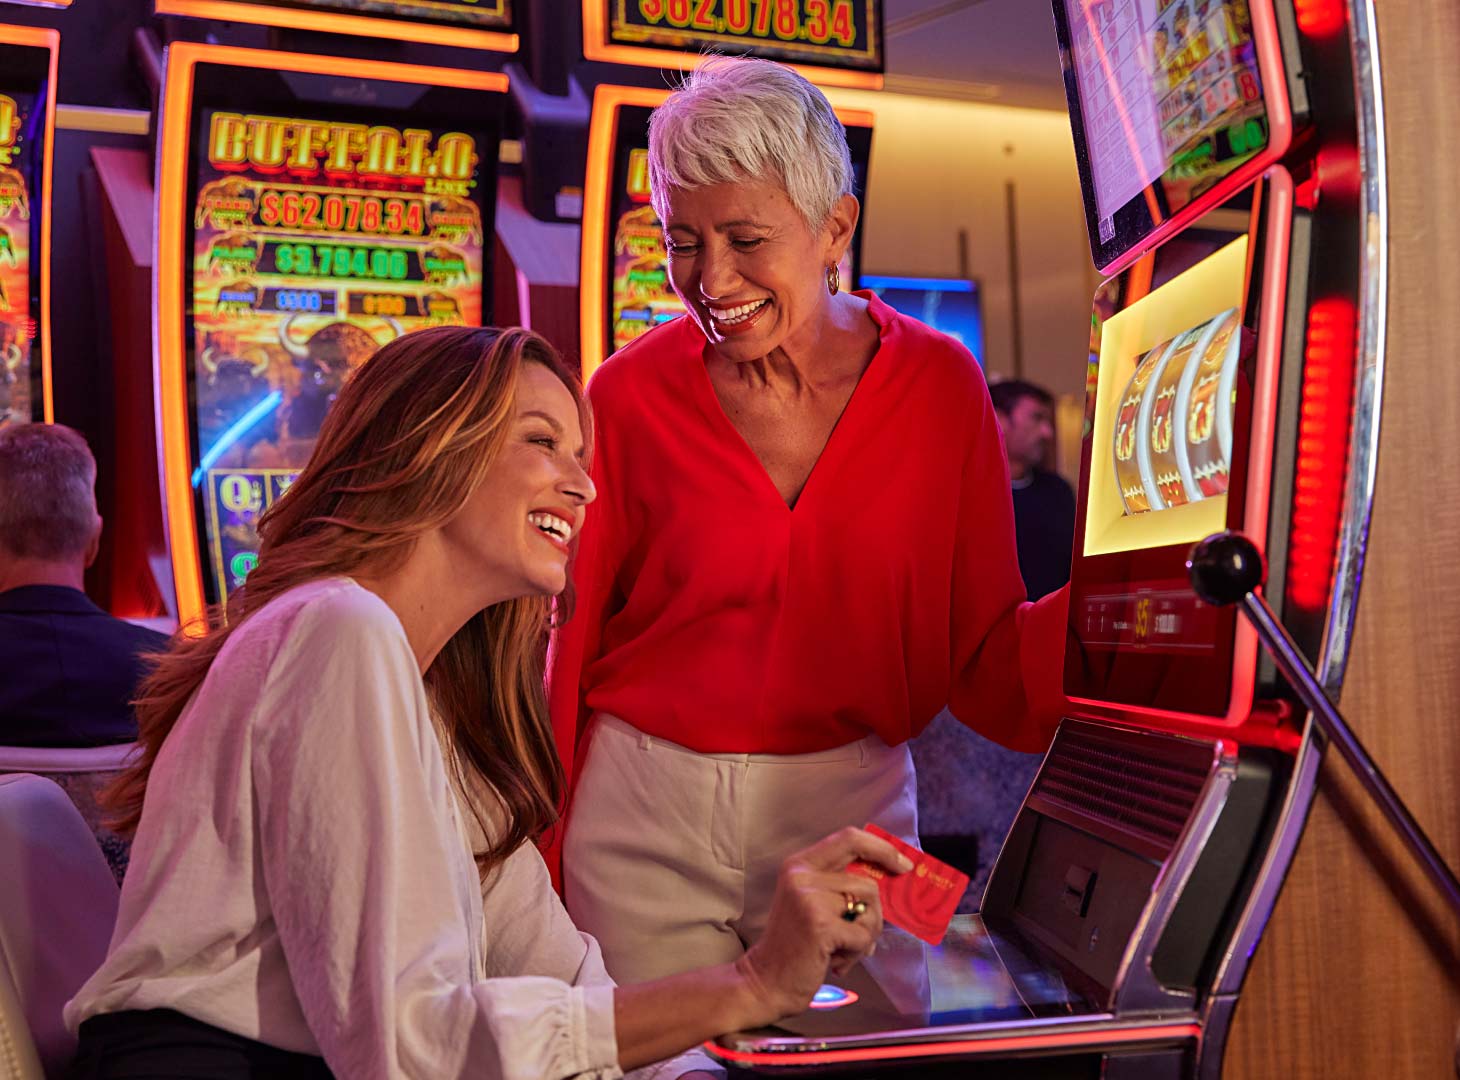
(1005, 1044)
(395, 29)
(608, 99)
(1272, 307)
(595, 47)
(169, 348)
(37, 38)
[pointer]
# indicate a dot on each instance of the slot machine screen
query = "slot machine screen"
(1174, 104)
(832, 42)
(951, 305)
(314, 229)
(1164, 466)
(27, 106)
(480, 24)
(639, 295)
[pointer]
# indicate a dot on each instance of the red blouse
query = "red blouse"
(710, 614)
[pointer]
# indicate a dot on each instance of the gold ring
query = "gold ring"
(854, 908)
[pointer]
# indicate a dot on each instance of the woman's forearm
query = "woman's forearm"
(659, 1019)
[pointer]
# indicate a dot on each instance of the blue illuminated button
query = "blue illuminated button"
(832, 997)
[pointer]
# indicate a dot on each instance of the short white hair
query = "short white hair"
(738, 118)
(47, 492)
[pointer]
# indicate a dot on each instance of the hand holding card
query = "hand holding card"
(921, 901)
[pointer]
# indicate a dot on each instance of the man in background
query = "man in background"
(1044, 505)
(68, 670)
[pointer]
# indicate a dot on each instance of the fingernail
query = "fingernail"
(904, 863)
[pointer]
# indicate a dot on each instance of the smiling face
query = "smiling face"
(748, 268)
(515, 527)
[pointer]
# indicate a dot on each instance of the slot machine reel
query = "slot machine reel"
(1226, 568)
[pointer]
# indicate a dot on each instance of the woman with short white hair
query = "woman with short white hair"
(805, 547)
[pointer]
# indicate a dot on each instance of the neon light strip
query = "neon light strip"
(394, 29)
(235, 432)
(1094, 1039)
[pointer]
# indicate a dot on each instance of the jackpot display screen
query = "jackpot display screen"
(826, 36)
(640, 294)
(485, 24)
(26, 99)
(1167, 99)
(314, 231)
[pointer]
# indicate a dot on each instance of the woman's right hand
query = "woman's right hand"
(806, 932)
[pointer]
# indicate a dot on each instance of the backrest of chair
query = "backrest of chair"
(58, 905)
(82, 773)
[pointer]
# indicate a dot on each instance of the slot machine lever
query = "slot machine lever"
(1226, 568)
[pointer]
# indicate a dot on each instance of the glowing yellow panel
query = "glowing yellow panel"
(1209, 288)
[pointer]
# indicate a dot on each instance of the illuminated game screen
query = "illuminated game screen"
(844, 34)
(23, 74)
(640, 294)
(946, 304)
(318, 234)
(1166, 99)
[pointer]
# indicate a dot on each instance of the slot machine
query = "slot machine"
(310, 209)
(624, 278)
(1230, 388)
(27, 129)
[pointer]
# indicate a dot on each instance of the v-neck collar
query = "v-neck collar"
(876, 371)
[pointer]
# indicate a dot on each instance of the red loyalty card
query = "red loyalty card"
(921, 901)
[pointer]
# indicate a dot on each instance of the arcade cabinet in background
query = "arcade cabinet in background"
(310, 209)
(950, 305)
(472, 24)
(27, 128)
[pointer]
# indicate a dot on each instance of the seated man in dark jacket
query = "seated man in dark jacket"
(68, 670)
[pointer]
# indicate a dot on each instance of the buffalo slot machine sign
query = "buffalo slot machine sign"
(626, 289)
(27, 112)
(478, 24)
(832, 42)
(301, 231)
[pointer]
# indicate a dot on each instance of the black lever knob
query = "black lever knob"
(1225, 567)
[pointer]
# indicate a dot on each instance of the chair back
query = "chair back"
(58, 906)
(82, 772)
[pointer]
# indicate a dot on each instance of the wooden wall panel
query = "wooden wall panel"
(1359, 972)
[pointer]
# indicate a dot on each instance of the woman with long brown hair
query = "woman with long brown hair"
(332, 871)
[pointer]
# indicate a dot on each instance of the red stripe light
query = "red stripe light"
(1320, 18)
(1324, 423)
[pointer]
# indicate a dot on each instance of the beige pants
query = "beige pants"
(670, 857)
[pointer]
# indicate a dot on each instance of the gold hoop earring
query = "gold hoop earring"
(833, 280)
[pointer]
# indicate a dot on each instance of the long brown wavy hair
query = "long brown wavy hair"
(410, 437)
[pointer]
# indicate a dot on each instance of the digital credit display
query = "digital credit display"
(1167, 99)
(845, 34)
(315, 232)
(20, 143)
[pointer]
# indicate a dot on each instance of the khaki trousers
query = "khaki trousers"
(670, 856)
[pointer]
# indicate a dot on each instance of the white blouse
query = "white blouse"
(302, 876)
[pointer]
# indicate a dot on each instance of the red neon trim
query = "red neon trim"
(1324, 427)
(1155, 1033)
(1321, 18)
(391, 27)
